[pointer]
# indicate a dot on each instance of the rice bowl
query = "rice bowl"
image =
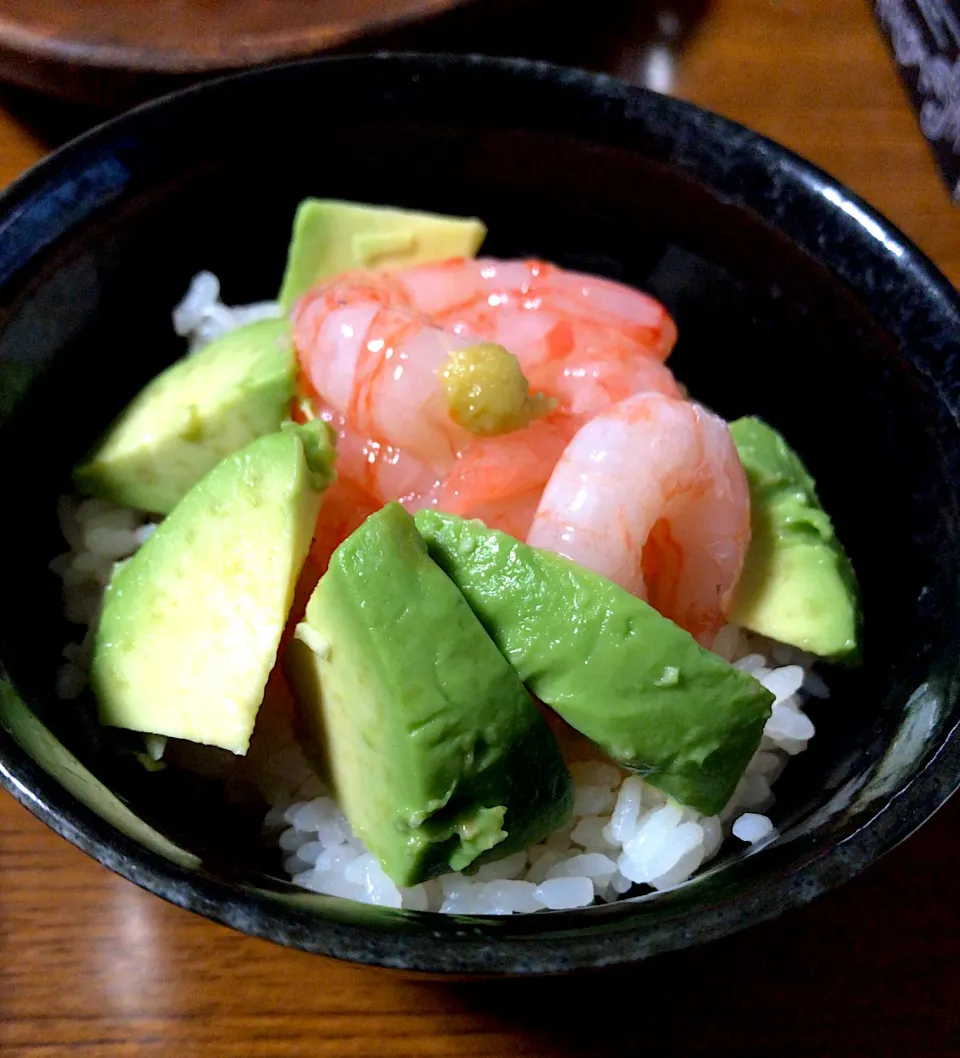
(842, 833)
(625, 835)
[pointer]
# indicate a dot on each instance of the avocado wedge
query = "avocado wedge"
(436, 752)
(798, 585)
(633, 682)
(191, 623)
(184, 421)
(330, 236)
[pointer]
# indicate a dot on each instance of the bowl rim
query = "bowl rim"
(704, 146)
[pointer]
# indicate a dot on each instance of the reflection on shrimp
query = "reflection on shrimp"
(586, 341)
(653, 495)
(467, 296)
(499, 479)
(380, 470)
(371, 345)
(375, 360)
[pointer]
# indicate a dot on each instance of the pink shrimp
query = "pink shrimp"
(379, 469)
(370, 344)
(467, 295)
(375, 360)
(499, 479)
(345, 506)
(652, 494)
(588, 342)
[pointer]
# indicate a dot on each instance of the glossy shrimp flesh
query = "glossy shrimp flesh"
(499, 479)
(468, 294)
(586, 341)
(371, 345)
(652, 495)
(373, 359)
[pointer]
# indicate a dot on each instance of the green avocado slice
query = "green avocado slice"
(240, 386)
(184, 421)
(192, 622)
(435, 751)
(635, 683)
(798, 585)
(330, 236)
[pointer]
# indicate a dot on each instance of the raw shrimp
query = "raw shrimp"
(371, 344)
(381, 470)
(466, 295)
(499, 479)
(652, 494)
(374, 359)
(588, 342)
(345, 507)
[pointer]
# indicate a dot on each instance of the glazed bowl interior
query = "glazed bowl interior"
(792, 300)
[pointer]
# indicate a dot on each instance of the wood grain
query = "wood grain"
(90, 964)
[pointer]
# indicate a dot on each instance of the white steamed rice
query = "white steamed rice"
(624, 833)
(201, 316)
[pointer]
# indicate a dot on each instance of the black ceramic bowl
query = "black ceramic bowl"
(794, 300)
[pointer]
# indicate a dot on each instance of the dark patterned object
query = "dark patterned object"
(794, 301)
(925, 38)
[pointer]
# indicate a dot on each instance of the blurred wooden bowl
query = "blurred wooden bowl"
(111, 53)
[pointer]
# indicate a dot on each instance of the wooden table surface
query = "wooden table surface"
(90, 963)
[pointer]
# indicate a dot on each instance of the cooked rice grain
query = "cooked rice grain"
(624, 832)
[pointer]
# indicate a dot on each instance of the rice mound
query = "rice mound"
(624, 833)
